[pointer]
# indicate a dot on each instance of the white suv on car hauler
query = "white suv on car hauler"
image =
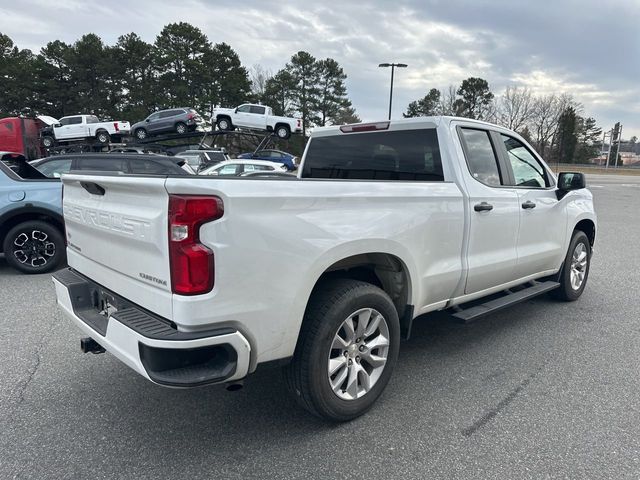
(198, 280)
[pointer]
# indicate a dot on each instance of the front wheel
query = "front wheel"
(34, 247)
(347, 350)
(575, 270)
(48, 141)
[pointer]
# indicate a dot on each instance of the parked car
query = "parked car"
(238, 167)
(54, 167)
(137, 150)
(257, 117)
(273, 156)
(326, 272)
(22, 135)
(31, 222)
(83, 127)
(201, 159)
(178, 120)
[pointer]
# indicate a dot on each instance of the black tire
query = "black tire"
(103, 137)
(567, 291)
(224, 123)
(140, 133)
(36, 235)
(307, 376)
(48, 141)
(181, 128)
(283, 131)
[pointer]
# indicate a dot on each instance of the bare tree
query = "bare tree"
(515, 108)
(259, 76)
(448, 101)
(544, 123)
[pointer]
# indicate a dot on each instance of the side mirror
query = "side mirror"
(57, 125)
(147, 120)
(236, 110)
(568, 181)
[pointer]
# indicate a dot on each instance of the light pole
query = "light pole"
(393, 67)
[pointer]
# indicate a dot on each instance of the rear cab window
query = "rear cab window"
(403, 155)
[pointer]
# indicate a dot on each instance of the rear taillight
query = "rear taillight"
(192, 265)
(190, 116)
(116, 126)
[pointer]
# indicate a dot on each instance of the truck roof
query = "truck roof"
(426, 122)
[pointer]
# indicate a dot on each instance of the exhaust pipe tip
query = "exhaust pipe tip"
(234, 386)
(88, 344)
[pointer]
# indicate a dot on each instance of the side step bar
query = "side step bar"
(467, 315)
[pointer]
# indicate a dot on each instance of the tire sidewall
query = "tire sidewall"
(284, 130)
(224, 124)
(570, 293)
(48, 142)
(319, 353)
(52, 232)
(103, 137)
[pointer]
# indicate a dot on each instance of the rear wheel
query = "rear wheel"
(347, 350)
(103, 137)
(34, 247)
(224, 124)
(181, 128)
(575, 270)
(141, 133)
(283, 131)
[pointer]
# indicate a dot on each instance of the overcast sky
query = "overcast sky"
(589, 48)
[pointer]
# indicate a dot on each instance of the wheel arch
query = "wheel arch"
(587, 226)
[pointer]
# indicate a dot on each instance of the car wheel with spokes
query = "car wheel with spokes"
(141, 133)
(103, 137)
(346, 351)
(181, 128)
(34, 247)
(575, 270)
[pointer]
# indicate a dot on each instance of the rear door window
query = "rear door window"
(256, 109)
(409, 155)
(481, 156)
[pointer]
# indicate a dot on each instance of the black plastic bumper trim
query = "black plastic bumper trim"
(89, 300)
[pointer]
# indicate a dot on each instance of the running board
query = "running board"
(467, 315)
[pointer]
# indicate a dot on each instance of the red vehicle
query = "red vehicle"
(21, 135)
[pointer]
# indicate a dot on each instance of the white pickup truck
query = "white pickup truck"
(255, 117)
(199, 280)
(83, 127)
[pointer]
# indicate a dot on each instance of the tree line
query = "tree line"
(182, 67)
(554, 124)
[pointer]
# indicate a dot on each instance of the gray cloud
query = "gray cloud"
(588, 48)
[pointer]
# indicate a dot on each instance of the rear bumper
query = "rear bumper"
(151, 345)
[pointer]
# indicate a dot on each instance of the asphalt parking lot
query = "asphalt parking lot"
(543, 390)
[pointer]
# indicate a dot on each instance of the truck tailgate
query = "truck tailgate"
(117, 235)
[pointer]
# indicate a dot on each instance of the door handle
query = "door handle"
(483, 207)
(528, 205)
